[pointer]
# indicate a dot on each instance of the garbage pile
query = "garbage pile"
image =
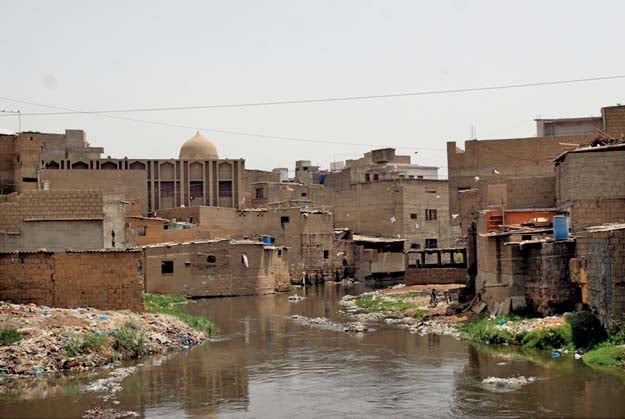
(435, 327)
(527, 325)
(55, 339)
(511, 383)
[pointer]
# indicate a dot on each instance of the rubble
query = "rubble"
(49, 333)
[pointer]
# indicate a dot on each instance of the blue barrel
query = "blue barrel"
(560, 227)
(267, 240)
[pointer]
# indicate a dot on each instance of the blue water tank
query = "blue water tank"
(560, 227)
(267, 240)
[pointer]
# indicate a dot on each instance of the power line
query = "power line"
(324, 100)
(71, 111)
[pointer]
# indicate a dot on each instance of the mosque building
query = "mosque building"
(32, 160)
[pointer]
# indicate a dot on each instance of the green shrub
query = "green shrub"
(129, 341)
(606, 354)
(552, 338)
(9, 337)
(617, 333)
(91, 342)
(370, 303)
(485, 330)
(171, 304)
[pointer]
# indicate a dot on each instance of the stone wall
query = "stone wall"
(110, 280)
(548, 288)
(424, 276)
(603, 253)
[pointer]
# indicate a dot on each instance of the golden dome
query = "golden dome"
(198, 148)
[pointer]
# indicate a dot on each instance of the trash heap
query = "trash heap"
(55, 339)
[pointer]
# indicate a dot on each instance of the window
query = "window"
(304, 194)
(225, 188)
(196, 189)
(167, 267)
(376, 176)
(326, 254)
(413, 216)
(260, 193)
(190, 220)
(431, 243)
(211, 259)
(244, 260)
(430, 214)
(367, 177)
(141, 230)
(430, 190)
(415, 245)
(284, 220)
(167, 189)
(420, 177)
(29, 179)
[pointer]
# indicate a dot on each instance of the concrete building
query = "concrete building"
(376, 165)
(308, 233)
(34, 160)
(408, 209)
(210, 268)
(104, 279)
(288, 194)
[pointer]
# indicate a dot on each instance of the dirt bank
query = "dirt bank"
(54, 339)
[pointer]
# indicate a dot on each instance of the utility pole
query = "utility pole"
(19, 117)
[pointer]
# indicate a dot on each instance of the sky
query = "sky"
(89, 55)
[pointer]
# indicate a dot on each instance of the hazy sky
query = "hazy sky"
(92, 55)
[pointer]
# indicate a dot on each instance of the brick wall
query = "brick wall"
(513, 159)
(8, 162)
(130, 184)
(110, 280)
(614, 120)
(54, 220)
(396, 209)
(216, 268)
(591, 187)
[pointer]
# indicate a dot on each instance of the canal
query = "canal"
(265, 364)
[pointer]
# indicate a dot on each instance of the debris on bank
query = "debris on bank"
(356, 327)
(56, 339)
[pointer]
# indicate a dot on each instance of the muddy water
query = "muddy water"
(267, 365)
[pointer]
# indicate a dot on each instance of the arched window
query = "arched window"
(211, 259)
